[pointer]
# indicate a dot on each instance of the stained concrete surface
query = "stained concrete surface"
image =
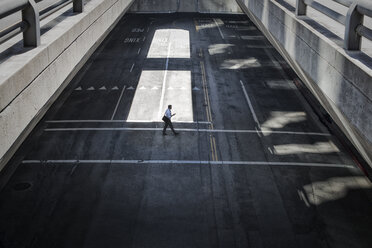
(253, 167)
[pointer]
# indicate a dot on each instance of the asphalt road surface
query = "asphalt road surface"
(252, 167)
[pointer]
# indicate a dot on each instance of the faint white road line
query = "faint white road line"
(223, 37)
(164, 81)
(198, 162)
(250, 105)
(122, 121)
(117, 104)
(139, 50)
(183, 129)
(131, 69)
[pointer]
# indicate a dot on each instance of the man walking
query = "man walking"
(167, 120)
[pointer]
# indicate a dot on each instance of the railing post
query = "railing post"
(31, 35)
(300, 7)
(78, 6)
(352, 40)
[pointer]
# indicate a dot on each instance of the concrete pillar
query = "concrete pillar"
(352, 40)
(300, 7)
(30, 15)
(78, 6)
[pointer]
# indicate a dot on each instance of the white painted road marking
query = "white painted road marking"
(250, 104)
(131, 69)
(137, 30)
(124, 121)
(117, 104)
(164, 81)
(139, 50)
(182, 129)
(131, 40)
(198, 162)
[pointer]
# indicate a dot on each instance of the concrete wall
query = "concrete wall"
(213, 6)
(224, 6)
(156, 6)
(340, 80)
(31, 78)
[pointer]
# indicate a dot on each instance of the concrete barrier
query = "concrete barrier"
(33, 78)
(155, 6)
(218, 6)
(170, 6)
(340, 80)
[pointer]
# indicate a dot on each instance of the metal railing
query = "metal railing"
(30, 24)
(353, 21)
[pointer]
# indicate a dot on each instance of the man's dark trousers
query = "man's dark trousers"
(167, 123)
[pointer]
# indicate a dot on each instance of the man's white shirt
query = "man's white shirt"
(168, 114)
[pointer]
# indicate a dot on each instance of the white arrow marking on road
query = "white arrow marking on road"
(195, 88)
(78, 88)
(170, 88)
(183, 88)
(115, 88)
(130, 88)
(91, 88)
(103, 88)
(154, 88)
(142, 88)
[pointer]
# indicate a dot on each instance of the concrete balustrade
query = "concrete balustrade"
(340, 80)
(30, 80)
(354, 28)
(30, 17)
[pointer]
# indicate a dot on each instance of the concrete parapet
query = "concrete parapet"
(29, 79)
(203, 6)
(340, 80)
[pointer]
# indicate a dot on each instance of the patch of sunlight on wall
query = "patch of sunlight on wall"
(334, 188)
(219, 48)
(319, 147)
(279, 119)
(157, 89)
(170, 43)
(289, 37)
